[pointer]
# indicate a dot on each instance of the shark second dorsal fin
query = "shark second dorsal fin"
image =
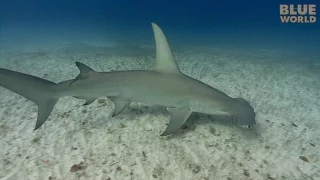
(85, 72)
(165, 61)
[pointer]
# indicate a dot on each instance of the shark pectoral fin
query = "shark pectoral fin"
(44, 110)
(119, 104)
(85, 72)
(178, 117)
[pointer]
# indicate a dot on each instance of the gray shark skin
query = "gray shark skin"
(163, 84)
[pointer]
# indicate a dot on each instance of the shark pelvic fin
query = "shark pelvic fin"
(178, 117)
(119, 104)
(89, 100)
(165, 61)
(85, 72)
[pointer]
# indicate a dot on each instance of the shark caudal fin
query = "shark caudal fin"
(40, 91)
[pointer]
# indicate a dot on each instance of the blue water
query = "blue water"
(202, 22)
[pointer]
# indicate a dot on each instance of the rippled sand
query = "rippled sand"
(85, 142)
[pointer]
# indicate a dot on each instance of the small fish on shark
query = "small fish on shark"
(162, 84)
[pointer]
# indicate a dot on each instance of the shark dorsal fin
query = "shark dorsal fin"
(85, 72)
(84, 69)
(165, 61)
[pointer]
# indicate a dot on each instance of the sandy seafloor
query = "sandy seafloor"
(282, 87)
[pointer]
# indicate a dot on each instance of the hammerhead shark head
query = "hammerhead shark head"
(163, 84)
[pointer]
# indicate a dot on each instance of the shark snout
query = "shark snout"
(244, 114)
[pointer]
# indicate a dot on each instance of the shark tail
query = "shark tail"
(42, 92)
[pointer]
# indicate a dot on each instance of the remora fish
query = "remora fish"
(163, 84)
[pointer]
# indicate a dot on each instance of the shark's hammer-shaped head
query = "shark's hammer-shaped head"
(243, 113)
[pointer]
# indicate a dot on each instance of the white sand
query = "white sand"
(284, 93)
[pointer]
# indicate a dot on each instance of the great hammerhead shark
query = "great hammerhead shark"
(163, 84)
